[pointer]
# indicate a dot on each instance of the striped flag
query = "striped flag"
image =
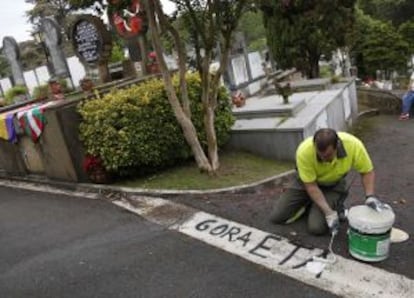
(33, 122)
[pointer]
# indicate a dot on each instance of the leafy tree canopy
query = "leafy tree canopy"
(299, 32)
(251, 24)
(4, 67)
(378, 46)
(407, 31)
(60, 9)
(396, 11)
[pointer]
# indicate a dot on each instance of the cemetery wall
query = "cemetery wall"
(385, 101)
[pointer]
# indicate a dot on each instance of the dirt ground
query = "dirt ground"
(390, 143)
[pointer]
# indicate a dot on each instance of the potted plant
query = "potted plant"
(86, 84)
(284, 89)
(94, 168)
(152, 64)
(238, 99)
(41, 92)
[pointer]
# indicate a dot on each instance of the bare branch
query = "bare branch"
(181, 56)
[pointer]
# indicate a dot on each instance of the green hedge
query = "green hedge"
(135, 128)
(13, 92)
(41, 92)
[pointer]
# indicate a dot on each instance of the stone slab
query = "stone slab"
(271, 106)
(278, 136)
(314, 104)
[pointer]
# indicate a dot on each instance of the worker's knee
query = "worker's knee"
(277, 215)
(317, 228)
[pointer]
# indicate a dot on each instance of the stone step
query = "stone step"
(270, 106)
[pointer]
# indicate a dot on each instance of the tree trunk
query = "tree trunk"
(313, 68)
(104, 75)
(185, 122)
(144, 58)
(209, 117)
(181, 57)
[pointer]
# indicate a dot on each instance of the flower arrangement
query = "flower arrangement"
(91, 163)
(152, 57)
(152, 64)
(93, 166)
(284, 89)
(86, 85)
(238, 99)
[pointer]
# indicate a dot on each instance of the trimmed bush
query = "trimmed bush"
(135, 128)
(65, 87)
(41, 92)
(13, 92)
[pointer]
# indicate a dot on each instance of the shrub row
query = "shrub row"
(135, 128)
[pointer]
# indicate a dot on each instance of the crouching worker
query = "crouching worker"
(322, 163)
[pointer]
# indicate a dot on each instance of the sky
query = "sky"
(13, 21)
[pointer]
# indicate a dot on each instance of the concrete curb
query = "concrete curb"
(368, 113)
(277, 180)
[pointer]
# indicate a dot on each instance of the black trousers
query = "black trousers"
(296, 197)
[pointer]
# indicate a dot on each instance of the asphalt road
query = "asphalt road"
(60, 246)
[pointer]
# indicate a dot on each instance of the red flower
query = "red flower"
(152, 55)
(92, 163)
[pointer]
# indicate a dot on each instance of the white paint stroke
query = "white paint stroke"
(347, 278)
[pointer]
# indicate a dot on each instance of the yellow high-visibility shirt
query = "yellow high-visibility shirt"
(351, 154)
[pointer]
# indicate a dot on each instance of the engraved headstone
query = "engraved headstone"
(53, 40)
(88, 42)
(92, 43)
(12, 53)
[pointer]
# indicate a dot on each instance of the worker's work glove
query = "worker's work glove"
(374, 203)
(332, 221)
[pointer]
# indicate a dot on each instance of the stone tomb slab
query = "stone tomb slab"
(271, 106)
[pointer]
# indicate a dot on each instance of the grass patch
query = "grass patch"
(236, 168)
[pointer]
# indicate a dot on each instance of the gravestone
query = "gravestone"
(92, 43)
(239, 67)
(53, 41)
(12, 53)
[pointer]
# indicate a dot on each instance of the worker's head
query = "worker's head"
(326, 143)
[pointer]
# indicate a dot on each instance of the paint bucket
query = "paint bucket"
(369, 233)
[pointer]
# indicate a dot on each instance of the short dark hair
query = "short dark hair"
(325, 137)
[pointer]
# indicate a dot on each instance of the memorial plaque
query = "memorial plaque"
(88, 42)
(91, 40)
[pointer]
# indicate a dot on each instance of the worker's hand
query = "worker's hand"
(374, 203)
(332, 221)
